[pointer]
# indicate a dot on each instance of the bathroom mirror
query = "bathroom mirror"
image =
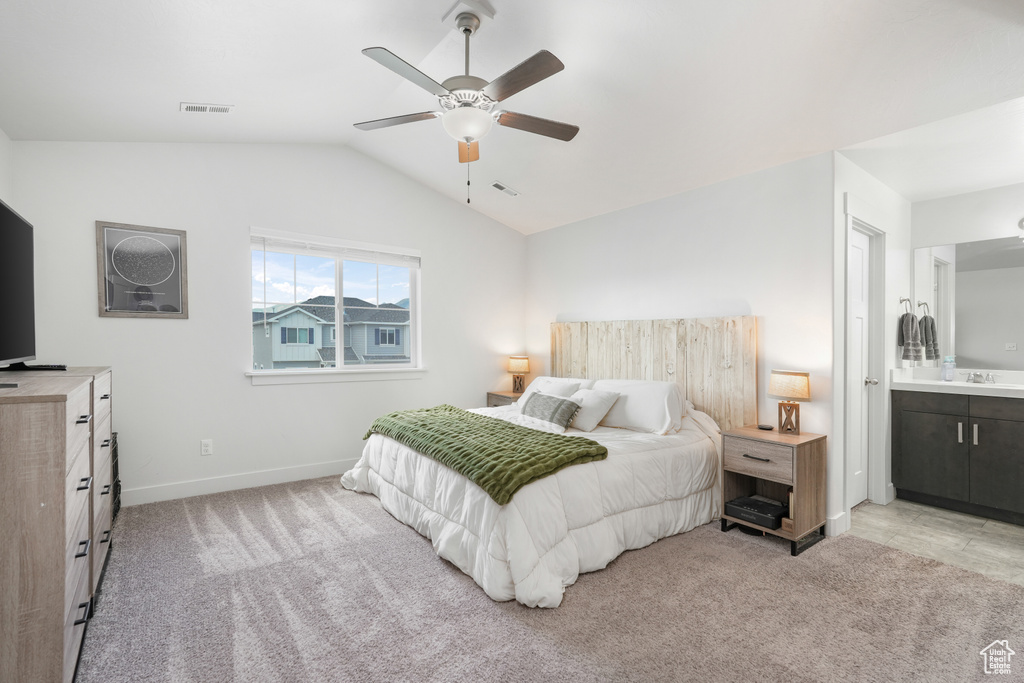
(975, 292)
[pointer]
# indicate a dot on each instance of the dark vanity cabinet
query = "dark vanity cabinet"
(960, 452)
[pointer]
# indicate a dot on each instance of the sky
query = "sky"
(293, 278)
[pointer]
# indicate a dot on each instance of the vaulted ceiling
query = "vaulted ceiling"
(669, 94)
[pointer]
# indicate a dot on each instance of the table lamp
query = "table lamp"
(790, 387)
(518, 366)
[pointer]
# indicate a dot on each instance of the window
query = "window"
(322, 304)
(297, 335)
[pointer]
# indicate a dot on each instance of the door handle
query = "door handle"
(872, 382)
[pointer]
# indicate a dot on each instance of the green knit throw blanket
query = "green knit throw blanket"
(498, 456)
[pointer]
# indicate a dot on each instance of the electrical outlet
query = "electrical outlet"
(1011, 346)
(206, 447)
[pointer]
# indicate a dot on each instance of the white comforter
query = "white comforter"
(577, 520)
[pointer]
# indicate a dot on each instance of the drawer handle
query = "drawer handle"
(84, 420)
(959, 432)
(105, 491)
(105, 444)
(85, 614)
(105, 397)
(106, 536)
(86, 483)
(85, 551)
(754, 457)
(975, 433)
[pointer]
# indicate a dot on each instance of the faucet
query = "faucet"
(990, 378)
(976, 378)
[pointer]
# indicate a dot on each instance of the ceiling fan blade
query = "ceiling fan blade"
(533, 70)
(396, 120)
(469, 152)
(405, 70)
(534, 124)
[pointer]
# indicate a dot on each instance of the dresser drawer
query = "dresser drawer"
(74, 624)
(78, 416)
(759, 459)
(101, 533)
(103, 491)
(78, 542)
(78, 488)
(101, 397)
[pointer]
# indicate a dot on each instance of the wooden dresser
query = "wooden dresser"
(54, 517)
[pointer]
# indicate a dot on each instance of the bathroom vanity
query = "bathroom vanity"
(959, 446)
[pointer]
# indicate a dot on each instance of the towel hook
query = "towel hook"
(905, 300)
(925, 304)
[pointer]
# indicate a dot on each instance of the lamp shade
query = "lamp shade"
(788, 385)
(466, 124)
(518, 365)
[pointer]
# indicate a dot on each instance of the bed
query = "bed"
(651, 485)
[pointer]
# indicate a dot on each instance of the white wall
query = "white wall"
(890, 214)
(6, 167)
(990, 313)
(176, 382)
(970, 217)
(756, 245)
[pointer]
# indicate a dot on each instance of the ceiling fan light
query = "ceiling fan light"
(467, 124)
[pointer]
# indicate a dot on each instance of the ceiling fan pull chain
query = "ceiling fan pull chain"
(467, 183)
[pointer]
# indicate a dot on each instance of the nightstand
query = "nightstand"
(502, 398)
(766, 463)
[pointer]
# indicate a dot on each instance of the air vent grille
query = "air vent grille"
(197, 108)
(504, 188)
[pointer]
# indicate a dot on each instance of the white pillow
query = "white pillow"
(644, 406)
(594, 405)
(555, 386)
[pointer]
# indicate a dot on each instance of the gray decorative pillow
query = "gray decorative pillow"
(554, 409)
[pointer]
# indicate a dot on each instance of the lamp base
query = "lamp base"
(789, 417)
(517, 383)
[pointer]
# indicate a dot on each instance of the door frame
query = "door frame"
(877, 474)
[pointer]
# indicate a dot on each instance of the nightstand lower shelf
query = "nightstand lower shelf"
(796, 545)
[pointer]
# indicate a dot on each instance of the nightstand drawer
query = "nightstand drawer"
(501, 398)
(759, 459)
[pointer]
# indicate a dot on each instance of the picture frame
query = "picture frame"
(142, 271)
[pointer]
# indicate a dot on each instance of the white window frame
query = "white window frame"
(344, 250)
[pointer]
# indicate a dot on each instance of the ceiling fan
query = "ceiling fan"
(468, 103)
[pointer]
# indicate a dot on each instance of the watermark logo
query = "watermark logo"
(997, 657)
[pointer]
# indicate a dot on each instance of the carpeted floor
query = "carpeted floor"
(310, 582)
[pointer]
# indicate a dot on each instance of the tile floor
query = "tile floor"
(986, 546)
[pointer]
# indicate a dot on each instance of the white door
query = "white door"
(859, 385)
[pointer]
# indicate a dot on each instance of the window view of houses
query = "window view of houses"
(312, 330)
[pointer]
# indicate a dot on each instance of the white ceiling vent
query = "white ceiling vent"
(206, 108)
(504, 188)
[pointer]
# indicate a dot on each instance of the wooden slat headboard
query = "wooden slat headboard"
(714, 360)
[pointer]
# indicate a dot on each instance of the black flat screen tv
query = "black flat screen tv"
(18, 337)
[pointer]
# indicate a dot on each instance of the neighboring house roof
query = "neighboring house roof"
(379, 358)
(350, 355)
(328, 354)
(356, 311)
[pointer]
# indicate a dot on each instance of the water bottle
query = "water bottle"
(948, 369)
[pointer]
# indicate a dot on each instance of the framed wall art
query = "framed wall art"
(142, 271)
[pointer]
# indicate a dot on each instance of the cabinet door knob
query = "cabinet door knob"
(959, 432)
(872, 382)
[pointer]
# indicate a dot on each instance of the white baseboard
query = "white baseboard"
(232, 482)
(837, 524)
